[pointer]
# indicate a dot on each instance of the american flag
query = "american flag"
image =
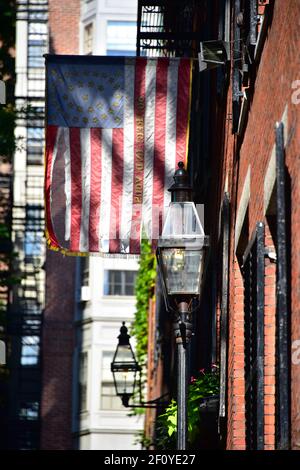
(116, 128)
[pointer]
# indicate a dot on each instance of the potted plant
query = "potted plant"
(203, 400)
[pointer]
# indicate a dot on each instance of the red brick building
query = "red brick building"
(244, 163)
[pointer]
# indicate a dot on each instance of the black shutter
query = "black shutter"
(253, 274)
(253, 23)
(282, 389)
(224, 306)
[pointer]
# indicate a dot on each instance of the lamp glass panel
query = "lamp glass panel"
(182, 270)
(182, 219)
(125, 368)
(125, 381)
(124, 354)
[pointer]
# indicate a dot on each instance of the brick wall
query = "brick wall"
(64, 26)
(57, 353)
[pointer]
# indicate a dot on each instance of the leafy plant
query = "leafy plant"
(4, 231)
(144, 291)
(205, 385)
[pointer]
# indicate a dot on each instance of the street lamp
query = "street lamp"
(180, 256)
(126, 373)
(124, 367)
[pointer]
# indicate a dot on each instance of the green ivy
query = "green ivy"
(144, 291)
(205, 385)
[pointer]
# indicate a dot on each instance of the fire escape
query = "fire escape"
(27, 303)
(168, 28)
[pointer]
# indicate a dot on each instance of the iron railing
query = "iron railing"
(166, 28)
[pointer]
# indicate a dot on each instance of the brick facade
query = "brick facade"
(64, 26)
(57, 353)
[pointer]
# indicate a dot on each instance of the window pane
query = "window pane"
(119, 282)
(83, 368)
(109, 399)
(88, 39)
(35, 133)
(116, 289)
(30, 350)
(36, 50)
(116, 276)
(33, 243)
(121, 38)
(37, 28)
(29, 410)
(129, 289)
(130, 276)
(106, 286)
(85, 271)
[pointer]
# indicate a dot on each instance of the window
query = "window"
(34, 231)
(88, 39)
(85, 271)
(35, 145)
(108, 400)
(83, 371)
(253, 275)
(37, 44)
(30, 350)
(119, 282)
(29, 411)
(121, 38)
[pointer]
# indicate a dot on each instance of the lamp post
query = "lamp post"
(180, 255)
(124, 367)
(126, 373)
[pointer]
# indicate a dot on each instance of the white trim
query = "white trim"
(270, 176)
(243, 205)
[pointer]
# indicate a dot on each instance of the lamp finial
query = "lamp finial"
(181, 190)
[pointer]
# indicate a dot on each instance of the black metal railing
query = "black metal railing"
(167, 28)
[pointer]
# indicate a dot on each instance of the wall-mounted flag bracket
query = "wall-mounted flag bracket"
(213, 54)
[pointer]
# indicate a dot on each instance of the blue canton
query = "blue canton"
(87, 95)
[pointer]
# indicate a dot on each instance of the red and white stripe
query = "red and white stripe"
(101, 168)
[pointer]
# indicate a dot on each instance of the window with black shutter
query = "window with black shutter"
(224, 303)
(253, 275)
(283, 281)
(225, 220)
